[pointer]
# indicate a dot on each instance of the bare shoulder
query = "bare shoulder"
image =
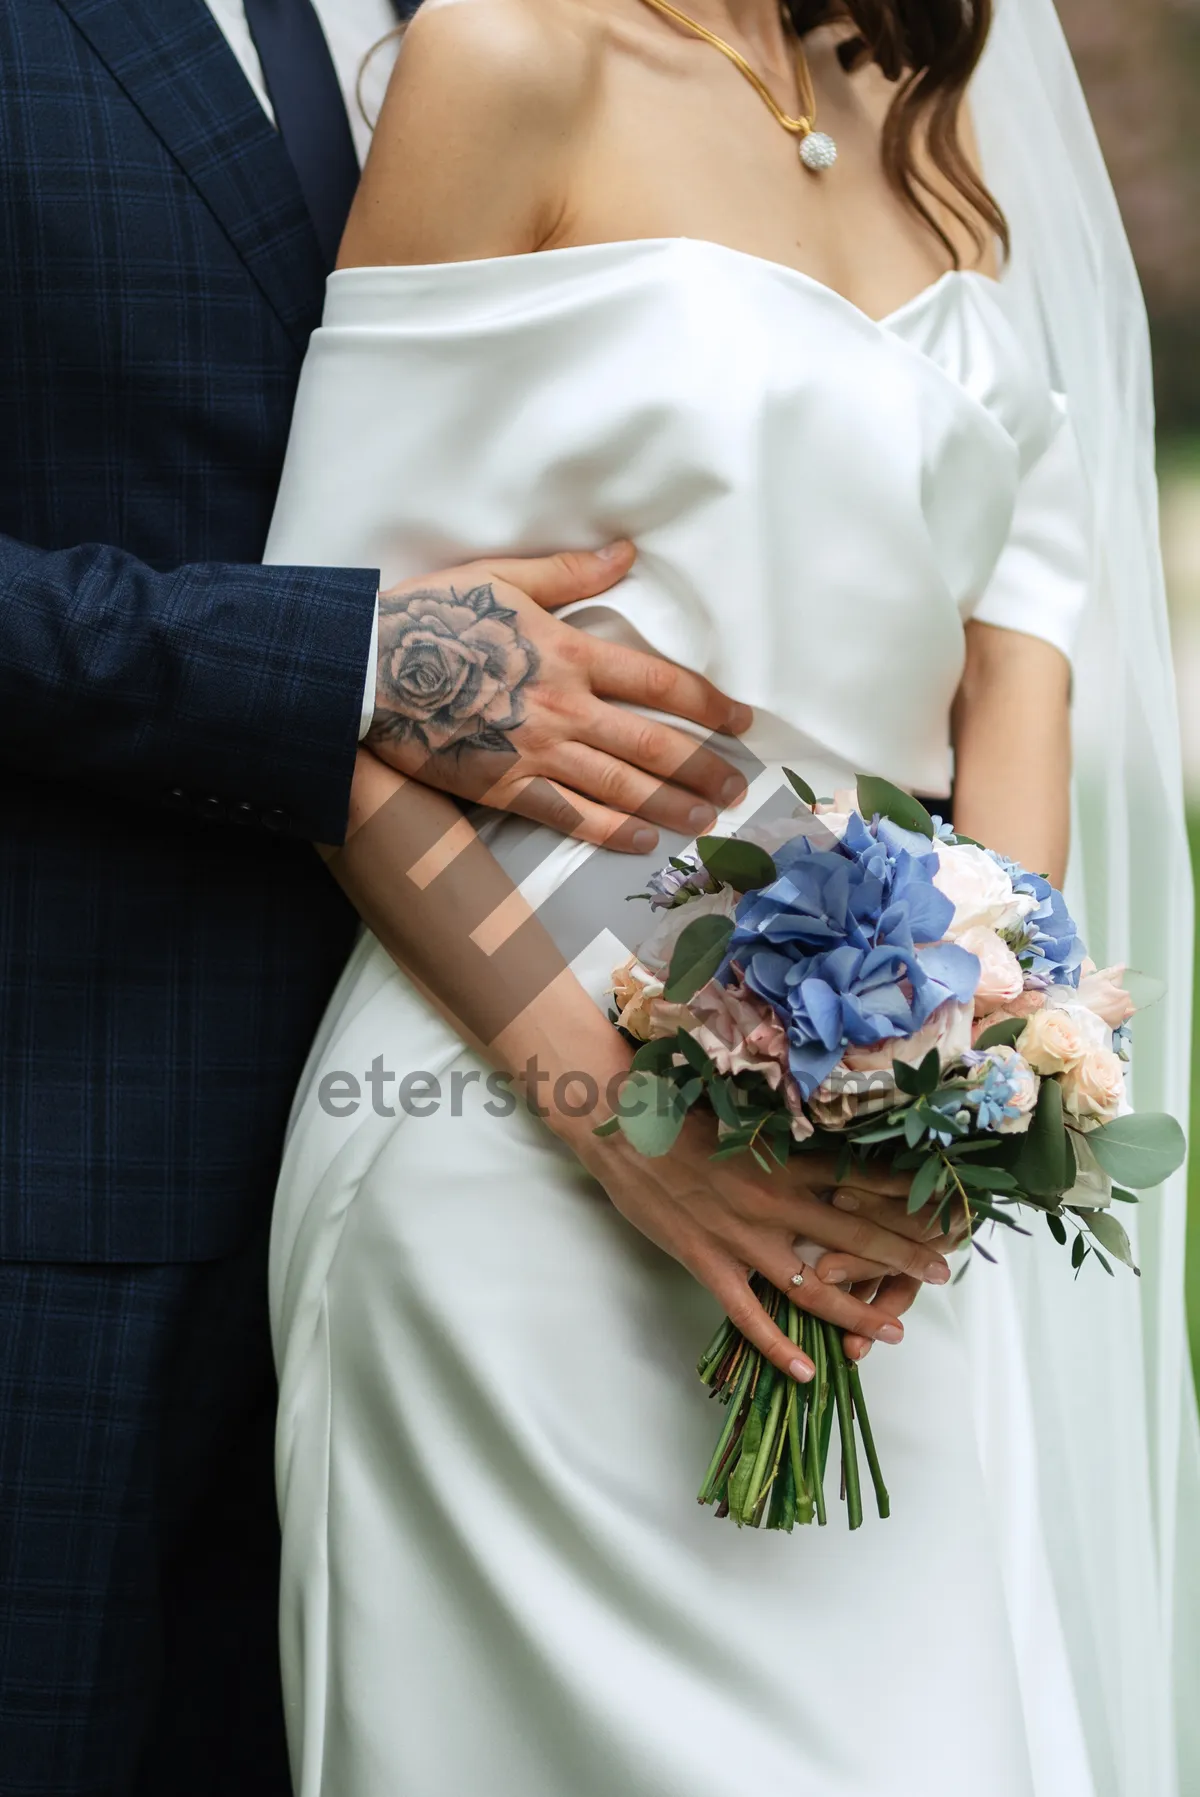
(476, 134)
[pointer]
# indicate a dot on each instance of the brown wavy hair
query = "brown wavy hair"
(930, 50)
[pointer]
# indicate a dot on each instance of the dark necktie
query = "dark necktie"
(309, 110)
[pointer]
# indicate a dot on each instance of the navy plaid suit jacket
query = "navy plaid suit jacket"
(176, 723)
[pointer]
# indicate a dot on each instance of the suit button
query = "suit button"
(243, 814)
(177, 799)
(211, 810)
(274, 820)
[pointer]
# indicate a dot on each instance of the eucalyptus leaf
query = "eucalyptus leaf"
(1145, 989)
(1042, 1166)
(875, 795)
(1110, 1233)
(800, 787)
(1121, 1197)
(656, 1057)
(742, 865)
(986, 1179)
(1002, 1035)
(1140, 1150)
(650, 1114)
(692, 1053)
(924, 1180)
(1078, 1252)
(698, 953)
(1058, 1228)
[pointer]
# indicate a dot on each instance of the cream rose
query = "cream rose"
(980, 890)
(1001, 980)
(1093, 1090)
(1057, 1037)
(659, 946)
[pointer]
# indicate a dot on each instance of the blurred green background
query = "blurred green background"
(1140, 64)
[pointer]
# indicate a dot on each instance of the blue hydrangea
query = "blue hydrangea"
(834, 944)
(993, 1100)
(1050, 949)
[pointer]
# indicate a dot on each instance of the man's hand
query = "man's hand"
(482, 693)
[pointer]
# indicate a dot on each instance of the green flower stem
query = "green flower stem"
(797, 1406)
(817, 1393)
(774, 1482)
(845, 1416)
(766, 1460)
(734, 1421)
(882, 1500)
(713, 1355)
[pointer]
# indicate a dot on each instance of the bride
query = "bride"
(878, 427)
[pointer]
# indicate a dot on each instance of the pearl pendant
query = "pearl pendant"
(818, 151)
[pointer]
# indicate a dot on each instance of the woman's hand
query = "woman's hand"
(874, 1284)
(724, 1219)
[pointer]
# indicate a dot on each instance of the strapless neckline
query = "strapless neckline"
(620, 249)
(851, 481)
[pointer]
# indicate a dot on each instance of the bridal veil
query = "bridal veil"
(1114, 1401)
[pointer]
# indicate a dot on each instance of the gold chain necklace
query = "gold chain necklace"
(817, 149)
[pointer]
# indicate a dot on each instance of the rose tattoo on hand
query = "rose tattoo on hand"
(452, 667)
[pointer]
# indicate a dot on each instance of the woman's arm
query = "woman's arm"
(469, 161)
(1012, 748)
(448, 914)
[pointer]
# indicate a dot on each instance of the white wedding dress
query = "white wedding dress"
(497, 1581)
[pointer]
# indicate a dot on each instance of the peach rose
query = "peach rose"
(1102, 992)
(948, 1029)
(1001, 980)
(740, 1033)
(1057, 1037)
(1094, 1089)
(846, 1094)
(634, 990)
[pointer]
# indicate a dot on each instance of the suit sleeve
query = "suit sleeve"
(232, 692)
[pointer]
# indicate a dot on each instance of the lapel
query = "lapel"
(172, 61)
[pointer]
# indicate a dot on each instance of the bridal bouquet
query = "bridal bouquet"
(859, 979)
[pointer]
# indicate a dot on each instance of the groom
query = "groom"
(177, 725)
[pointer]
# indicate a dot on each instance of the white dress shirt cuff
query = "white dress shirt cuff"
(368, 704)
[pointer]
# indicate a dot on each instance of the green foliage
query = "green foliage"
(1002, 1035)
(880, 797)
(651, 1113)
(1139, 1151)
(922, 1081)
(698, 953)
(1110, 1233)
(800, 787)
(742, 865)
(1044, 1165)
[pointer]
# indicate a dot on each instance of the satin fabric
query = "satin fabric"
(495, 1574)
